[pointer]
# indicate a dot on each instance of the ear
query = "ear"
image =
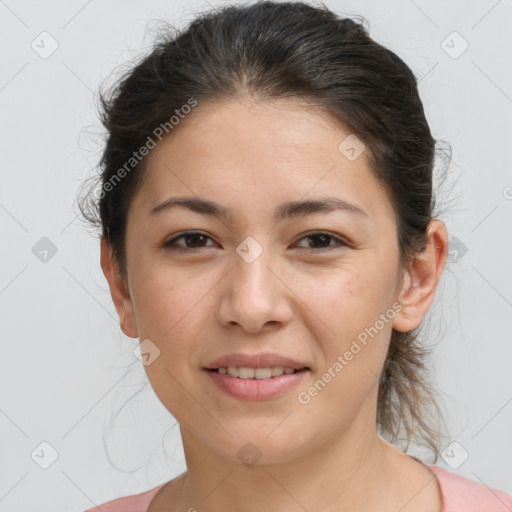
(421, 279)
(120, 295)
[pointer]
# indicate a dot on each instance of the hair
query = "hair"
(289, 50)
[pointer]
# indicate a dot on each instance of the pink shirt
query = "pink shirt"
(459, 494)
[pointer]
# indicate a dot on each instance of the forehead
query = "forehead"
(259, 152)
(275, 131)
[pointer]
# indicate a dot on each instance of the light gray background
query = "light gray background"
(66, 366)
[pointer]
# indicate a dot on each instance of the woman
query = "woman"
(268, 234)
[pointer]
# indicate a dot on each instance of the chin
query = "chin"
(256, 447)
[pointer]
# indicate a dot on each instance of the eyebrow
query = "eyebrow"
(283, 211)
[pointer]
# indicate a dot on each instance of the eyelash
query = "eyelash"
(171, 244)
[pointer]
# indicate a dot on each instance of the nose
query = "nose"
(254, 295)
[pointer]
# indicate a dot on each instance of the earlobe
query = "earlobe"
(421, 279)
(118, 291)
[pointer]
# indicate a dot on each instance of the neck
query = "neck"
(347, 472)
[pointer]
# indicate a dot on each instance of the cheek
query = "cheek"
(167, 300)
(350, 304)
(349, 311)
(347, 298)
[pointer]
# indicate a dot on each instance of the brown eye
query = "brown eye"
(322, 239)
(193, 240)
(196, 240)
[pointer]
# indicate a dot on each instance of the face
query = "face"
(308, 285)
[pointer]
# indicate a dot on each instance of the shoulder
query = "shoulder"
(461, 493)
(134, 503)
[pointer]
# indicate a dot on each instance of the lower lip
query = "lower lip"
(256, 389)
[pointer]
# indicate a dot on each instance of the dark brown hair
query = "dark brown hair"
(272, 50)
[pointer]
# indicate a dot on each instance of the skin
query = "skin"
(195, 306)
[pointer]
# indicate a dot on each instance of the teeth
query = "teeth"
(244, 372)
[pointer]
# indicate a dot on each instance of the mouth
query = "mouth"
(248, 373)
(256, 384)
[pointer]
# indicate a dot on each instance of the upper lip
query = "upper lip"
(255, 361)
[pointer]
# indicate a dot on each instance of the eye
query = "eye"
(323, 238)
(197, 240)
